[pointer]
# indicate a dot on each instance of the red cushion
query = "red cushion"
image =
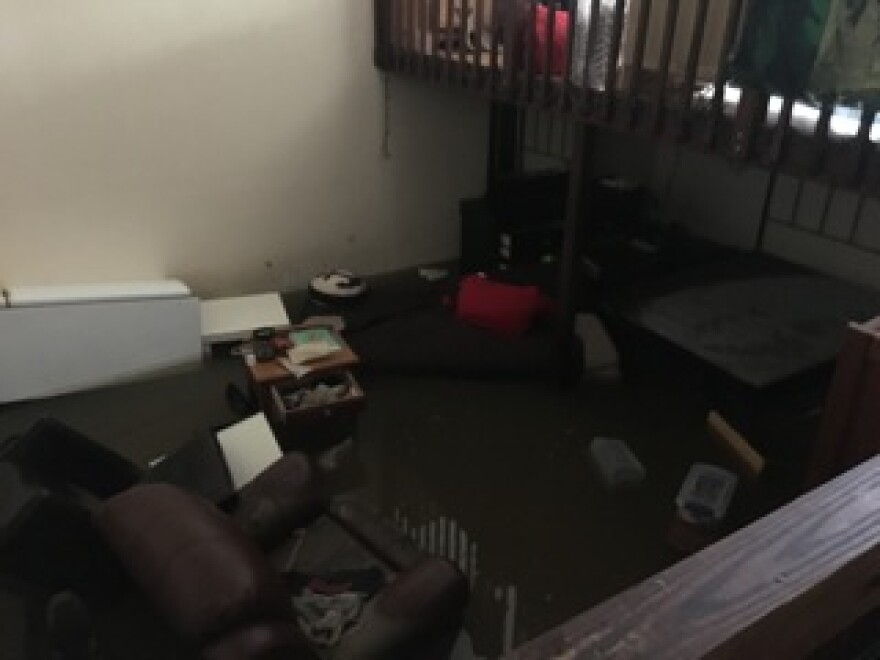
(503, 308)
(560, 40)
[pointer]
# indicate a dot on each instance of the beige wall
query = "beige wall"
(235, 144)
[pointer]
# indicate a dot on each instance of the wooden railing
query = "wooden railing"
(780, 588)
(656, 67)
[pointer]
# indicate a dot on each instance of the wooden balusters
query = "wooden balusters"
(635, 83)
(588, 94)
(861, 149)
(477, 43)
(564, 100)
(713, 125)
(447, 37)
(529, 47)
(495, 72)
(424, 28)
(820, 138)
(845, 156)
(461, 32)
(871, 181)
(610, 96)
(805, 150)
(546, 89)
(659, 96)
(750, 115)
(513, 15)
(436, 21)
(499, 48)
(779, 137)
(685, 100)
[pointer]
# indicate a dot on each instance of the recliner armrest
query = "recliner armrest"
(383, 539)
(421, 607)
(285, 496)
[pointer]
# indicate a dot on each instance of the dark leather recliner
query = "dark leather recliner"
(211, 573)
(52, 481)
(47, 537)
(221, 593)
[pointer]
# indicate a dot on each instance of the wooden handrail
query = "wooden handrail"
(779, 588)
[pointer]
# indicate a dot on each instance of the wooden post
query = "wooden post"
(569, 273)
(503, 142)
(850, 421)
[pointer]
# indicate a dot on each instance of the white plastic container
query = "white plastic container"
(616, 464)
(705, 494)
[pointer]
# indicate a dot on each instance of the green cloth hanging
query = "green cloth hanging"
(779, 43)
(848, 61)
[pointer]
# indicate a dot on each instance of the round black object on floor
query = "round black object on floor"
(337, 288)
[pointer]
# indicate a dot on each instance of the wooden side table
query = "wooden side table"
(310, 427)
(262, 376)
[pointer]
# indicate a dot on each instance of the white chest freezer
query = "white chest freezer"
(60, 339)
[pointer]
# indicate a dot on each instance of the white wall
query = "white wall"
(236, 144)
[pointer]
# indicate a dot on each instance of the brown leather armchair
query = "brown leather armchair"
(218, 579)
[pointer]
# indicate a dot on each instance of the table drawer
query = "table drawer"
(306, 420)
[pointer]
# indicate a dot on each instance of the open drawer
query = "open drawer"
(316, 412)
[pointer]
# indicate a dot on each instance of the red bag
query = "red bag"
(503, 308)
(560, 40)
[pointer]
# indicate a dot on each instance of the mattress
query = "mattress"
(759, 320)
